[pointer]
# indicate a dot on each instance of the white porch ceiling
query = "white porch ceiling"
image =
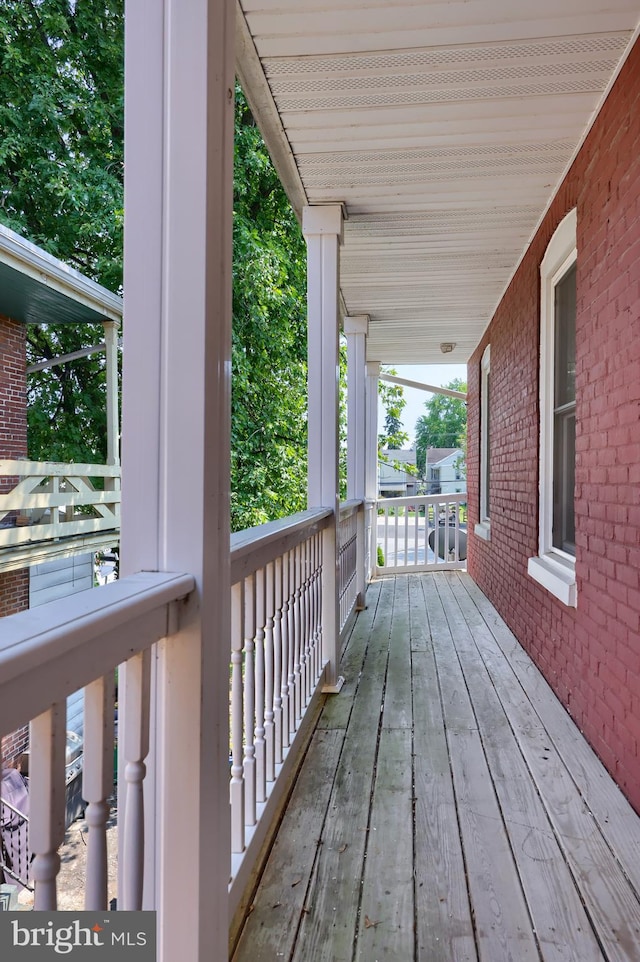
(443, 127)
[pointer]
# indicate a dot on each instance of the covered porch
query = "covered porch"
(420, 144)
(448, 809)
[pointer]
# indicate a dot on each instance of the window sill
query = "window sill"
(557, 575)
(483, 530)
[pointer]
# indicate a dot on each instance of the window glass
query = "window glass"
(564, 413)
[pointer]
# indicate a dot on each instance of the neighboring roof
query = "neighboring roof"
(437, 455)
(36, 288)
(406, 456)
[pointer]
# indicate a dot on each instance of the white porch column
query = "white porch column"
(179, 65)
(322, 228)
(371, 442)
(111, 329)
(356, 329)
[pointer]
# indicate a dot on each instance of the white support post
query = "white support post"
(322, 228)
(179, 63)
(371, 443)
(356, 329)
(111, 365)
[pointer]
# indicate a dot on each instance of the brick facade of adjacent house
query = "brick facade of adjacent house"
(590, 655)
(14, 585)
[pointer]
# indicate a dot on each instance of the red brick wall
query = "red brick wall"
(13, 391)
(590, 655)
(14, 585)
(14, 592)
(15, 744)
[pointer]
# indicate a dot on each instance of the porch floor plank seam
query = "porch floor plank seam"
(448, 809)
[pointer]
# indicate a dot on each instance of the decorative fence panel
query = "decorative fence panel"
(49, 500)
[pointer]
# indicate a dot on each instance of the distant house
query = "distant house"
(393, 480)
(444, 471)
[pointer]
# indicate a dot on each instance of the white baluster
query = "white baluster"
(135, 746)
(304, 623)
(310, 624)
(269, 728)
(279, 661)
(386, 535)
(318, 604)
(236, 785)
(312, 613)
(297, 628)
(47, 801)
(249, 764)
(259, 743)
(291, 632)
(97, 784)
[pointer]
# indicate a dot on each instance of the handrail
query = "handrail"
(253, 548)
(49, 652)
(59, 469)
(348, 508)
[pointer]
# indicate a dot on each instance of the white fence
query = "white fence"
(46, 654)
(277, 667)
(421, 533)
(48, 500)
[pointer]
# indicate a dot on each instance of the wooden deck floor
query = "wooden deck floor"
(448, 809)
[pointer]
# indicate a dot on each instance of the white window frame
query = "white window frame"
(483, 528)
(551, 567)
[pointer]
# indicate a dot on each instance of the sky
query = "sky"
(436, 374)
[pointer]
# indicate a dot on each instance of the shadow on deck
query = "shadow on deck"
(448, 809)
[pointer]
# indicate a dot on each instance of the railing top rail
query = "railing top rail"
(47, 469)
(52, 650)
(425, 498)
(12, 808)
(347, 508)
(253, 548)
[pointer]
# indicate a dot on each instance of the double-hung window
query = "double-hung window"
(483, 528)
(554, 566)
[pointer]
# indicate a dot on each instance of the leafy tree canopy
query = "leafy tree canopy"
(61, 126)
(61, 185)
(444, 425)
(269, 407)
(61, 170)
(393, 400)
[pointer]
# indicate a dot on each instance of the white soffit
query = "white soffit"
(444, 128)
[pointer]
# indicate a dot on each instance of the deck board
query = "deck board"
(448, 809)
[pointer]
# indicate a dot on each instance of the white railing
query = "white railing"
(278, 654)
(421, 533)
(349, 521)
(46, 654)
(276, 670)
(47, 500)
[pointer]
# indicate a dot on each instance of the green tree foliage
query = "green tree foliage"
(61, 129)
(61, 185)
(61, 169)
(269, 463)
(393, 401)
(444, 425)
